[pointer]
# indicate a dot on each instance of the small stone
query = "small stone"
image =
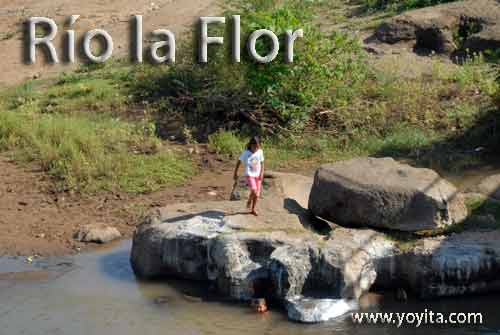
(235, 196)
(97, 233)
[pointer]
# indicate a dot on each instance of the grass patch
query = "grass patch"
(7, 35)
(89, 153)
(226, 143)
(77, 128)
(91, 89)
(297, 151)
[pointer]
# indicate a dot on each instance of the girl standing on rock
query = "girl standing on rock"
(253, 161)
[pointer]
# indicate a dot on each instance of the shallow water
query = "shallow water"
(97, 293)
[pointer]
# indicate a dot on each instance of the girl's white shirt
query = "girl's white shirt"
(253, 162)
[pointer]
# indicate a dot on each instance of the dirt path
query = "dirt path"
(113, 16)
(35, 221)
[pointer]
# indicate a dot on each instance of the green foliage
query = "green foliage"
(69, 127)
(329, 86)
(327, 70)
(401, 5)
(226, 143)
(324, 65)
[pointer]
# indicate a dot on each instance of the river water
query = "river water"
(97, 294)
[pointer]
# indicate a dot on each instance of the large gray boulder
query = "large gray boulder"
(382, 193)
(471, 24)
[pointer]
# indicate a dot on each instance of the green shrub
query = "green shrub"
(264, 98)
(324, 65)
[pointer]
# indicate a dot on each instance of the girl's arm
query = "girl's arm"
(236, 169)
(262, 171)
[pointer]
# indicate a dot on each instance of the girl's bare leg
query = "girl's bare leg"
(254, 203)
(250, 201)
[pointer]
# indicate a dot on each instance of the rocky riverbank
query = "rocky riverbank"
(317, 269)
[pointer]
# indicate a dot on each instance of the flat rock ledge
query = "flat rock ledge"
(314, 277)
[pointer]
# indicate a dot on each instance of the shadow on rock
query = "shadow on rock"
(307, 219)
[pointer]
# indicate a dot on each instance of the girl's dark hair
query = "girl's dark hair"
(253, 140)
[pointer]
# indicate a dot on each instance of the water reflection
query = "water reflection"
(97, 293)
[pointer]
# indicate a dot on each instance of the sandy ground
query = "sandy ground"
(179, 16)
(34, 221)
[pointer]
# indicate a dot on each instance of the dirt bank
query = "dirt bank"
(34, 220)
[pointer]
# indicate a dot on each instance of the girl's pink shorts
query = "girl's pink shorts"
(255, 184)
